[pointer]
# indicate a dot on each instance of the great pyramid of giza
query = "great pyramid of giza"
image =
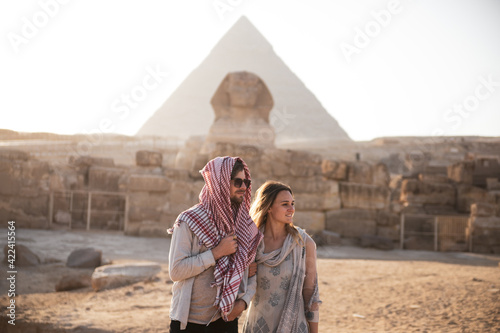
(297, 115)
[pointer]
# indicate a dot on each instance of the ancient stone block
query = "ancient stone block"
(177, 174)
(461, 172)
(84, 258)
(153, 229)
(73, 281)
(274, 163)
(180, 192)
(433, 178)
(417, 161)
(148, 183)
(11, 182)
(13, 155)
(364, 196)
(148, 158)
(352, 214)
(151, 199)
(336, 170)
(395, 204)
(304, 164)
(491, 222)
(360, 172)
(484, 168)
(381, 176)
(468, 194)
(114, 276)
(485, 234)
(414, 191)
(419, 243)
(326, 238)
(438, 210)
(85, 162)
(104, 179)
(351, 223)
(199, 162)
(312, 222)
(33, 172)
(24, 256)
(393, 233)
(37, 205)
(317, 185)
(132, 228)
(421, 224)
(319, 202)
(353, 228)
(377, 242)
(481, 209)
(140, 213)
(62, 217)
(385, 218)
(493, 184)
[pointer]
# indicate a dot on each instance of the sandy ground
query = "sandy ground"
(362, 290)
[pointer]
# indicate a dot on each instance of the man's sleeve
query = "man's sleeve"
(247, 288)
(182, 264)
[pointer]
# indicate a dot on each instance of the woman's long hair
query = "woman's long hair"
(264, 199)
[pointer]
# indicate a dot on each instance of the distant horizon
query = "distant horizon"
(181, 139)
(380, 68)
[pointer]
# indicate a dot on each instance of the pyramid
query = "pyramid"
(297, 116)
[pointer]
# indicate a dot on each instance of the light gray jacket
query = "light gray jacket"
(185, 262)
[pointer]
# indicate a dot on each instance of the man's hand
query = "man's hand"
(239, 307)
(252, 269)
(227, 246)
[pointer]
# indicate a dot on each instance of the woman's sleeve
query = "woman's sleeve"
(310, 290)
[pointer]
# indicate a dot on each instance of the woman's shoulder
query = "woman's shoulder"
(306, 237)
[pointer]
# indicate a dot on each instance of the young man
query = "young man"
(212, 245)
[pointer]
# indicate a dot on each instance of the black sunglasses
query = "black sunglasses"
(238, 182)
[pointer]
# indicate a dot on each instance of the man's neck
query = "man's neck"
(235, 206)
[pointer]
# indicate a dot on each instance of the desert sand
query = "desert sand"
(363, 290)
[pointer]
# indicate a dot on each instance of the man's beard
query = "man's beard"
(236, 200)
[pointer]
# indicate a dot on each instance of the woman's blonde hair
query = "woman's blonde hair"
(264, 199)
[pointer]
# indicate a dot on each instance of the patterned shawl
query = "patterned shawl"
(213, 219)
(289, 318)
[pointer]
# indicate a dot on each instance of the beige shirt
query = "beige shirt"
(201, 309)
(186, 262)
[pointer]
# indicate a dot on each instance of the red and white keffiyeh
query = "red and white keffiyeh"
(213, 219)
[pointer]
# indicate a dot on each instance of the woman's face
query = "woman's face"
(282, 209)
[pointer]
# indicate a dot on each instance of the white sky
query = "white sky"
(421, 72)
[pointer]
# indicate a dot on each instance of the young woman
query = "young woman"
(287, 298)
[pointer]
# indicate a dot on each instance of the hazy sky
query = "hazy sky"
(381, 68)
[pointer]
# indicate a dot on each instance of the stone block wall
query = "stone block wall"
(24, 185)
(366, 209)
(484, 230)
(354, 200)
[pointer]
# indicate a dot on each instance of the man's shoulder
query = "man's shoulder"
(195, 212)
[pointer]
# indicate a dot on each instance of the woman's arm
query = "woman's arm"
(309, 291)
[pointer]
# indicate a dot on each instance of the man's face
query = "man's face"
(237, 194)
